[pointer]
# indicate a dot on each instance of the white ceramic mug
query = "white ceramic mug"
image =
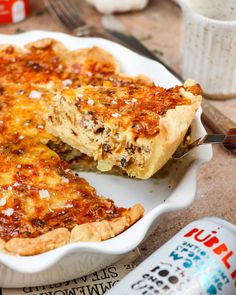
(209, 45)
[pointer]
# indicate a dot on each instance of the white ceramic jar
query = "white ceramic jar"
(209, 45)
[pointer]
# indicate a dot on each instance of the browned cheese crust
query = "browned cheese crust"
(43, 205)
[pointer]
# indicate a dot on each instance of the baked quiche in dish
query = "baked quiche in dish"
(89, 105)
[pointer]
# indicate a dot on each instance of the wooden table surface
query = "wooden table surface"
(159, 27)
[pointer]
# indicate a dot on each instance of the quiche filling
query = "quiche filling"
(117, 126)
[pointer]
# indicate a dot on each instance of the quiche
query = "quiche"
(134, 127)
(43, 205)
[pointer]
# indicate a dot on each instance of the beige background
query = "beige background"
(159, 27)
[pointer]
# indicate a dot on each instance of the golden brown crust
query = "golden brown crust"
(47, 42)
(32, 246)
(87, 232)
(106, 229)
(95, 57)
(139, 79)
(2, 245)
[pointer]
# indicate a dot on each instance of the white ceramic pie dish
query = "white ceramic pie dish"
(75, 260)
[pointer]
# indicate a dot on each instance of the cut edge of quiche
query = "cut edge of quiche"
(134, 128)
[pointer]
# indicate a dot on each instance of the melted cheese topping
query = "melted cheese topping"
(134, 107)
(38, 192)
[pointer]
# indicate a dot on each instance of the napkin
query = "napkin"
(96, 283)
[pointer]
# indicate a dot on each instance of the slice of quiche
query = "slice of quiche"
(136, 128)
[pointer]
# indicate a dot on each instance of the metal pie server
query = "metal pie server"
(228, 140)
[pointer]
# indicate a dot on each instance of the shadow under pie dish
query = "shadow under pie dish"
(30, 102)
